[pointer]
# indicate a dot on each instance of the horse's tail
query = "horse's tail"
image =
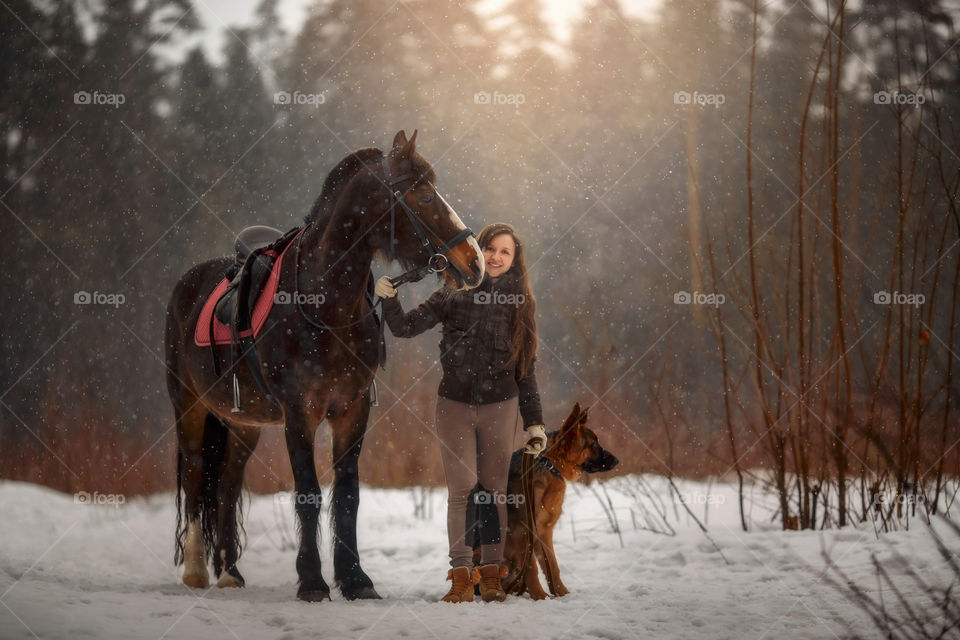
(181, 525)
(213, 451)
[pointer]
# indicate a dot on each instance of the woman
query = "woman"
(487, 353)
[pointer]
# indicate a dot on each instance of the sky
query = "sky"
(217, 15)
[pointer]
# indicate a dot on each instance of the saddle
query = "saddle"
(238, 307)
(251, 280)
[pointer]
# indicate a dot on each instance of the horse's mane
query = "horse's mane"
(336, 180)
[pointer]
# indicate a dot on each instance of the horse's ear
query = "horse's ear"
(402, 148)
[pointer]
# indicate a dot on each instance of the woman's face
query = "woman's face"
(499, 254)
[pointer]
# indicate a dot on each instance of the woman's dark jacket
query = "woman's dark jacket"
(475, 343)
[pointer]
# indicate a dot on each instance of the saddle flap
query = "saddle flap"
(226, 308)
(263, 279)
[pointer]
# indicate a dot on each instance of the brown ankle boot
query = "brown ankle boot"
(490, 587)
(463, 580)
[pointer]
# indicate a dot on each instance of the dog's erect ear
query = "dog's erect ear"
(571, 423)
(582, 422)
(583, 416)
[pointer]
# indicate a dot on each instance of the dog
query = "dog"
(570, 452)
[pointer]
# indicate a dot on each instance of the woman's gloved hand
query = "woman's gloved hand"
(385, 288)
(537, 441)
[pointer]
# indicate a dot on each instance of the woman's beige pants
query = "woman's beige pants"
(476, 442)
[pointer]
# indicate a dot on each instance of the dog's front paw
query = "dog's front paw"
(560, 590)
(538, 595)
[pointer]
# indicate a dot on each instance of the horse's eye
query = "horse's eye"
(426, 198)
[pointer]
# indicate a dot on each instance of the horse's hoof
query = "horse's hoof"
(313, 595)
(362, 593)
(197, 580)
(228, 581)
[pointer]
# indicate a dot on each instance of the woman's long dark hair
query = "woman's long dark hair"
(523, 346)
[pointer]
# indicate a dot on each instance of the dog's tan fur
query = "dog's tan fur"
(572, 450)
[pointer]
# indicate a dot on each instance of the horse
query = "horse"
(318, 362)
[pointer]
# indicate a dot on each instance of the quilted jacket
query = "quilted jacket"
(474, 343)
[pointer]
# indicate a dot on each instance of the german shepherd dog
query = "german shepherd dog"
(570, 452)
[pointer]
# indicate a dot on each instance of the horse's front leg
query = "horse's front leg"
(307, 501)
(348, 429)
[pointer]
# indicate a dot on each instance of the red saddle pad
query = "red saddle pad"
(261, 309)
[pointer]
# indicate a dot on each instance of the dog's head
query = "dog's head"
(579, 446)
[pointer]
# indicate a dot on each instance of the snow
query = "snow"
(84, 570)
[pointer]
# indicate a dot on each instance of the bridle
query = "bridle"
(438, 258)
(437, 262)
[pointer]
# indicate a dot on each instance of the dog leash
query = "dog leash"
(518, 586)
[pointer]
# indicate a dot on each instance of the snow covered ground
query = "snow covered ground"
(100, 571)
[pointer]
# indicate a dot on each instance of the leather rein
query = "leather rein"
(437, 262)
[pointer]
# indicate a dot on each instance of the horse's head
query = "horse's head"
(426, 215)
